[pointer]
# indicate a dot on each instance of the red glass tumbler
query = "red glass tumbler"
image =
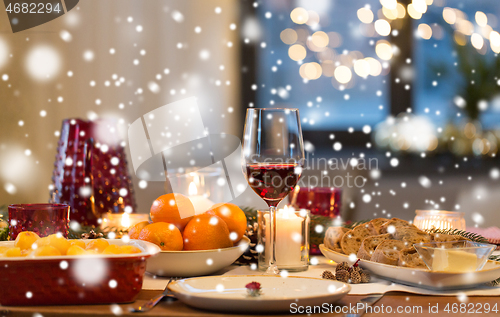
(43, 219)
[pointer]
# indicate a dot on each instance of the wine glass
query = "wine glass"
(272, 159)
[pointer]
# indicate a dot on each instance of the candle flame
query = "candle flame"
(193, 190)
(125, 220)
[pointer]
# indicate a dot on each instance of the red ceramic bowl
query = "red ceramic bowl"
(74, 280)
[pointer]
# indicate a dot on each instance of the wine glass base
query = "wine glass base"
(273, 270)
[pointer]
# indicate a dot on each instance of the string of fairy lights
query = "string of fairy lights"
(342, 66)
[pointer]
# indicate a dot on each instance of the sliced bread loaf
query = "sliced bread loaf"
(411, 235)
(378, 222)
(352, 239)
(333, 236)
(389, 226)
(409, 257)
(387, 252)
(369, 245)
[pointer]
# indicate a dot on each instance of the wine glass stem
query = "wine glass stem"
(273, 268)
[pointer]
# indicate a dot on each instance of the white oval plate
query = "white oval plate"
(422, 277)
(195, 263)
(228, 293)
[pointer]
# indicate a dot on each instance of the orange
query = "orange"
(25, 239)
(233, 216)
(172, 208)
(165, 235)
(135, 230)
(205, 232)
(97, 245)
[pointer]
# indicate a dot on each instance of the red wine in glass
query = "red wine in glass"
(272, 159)
(272, 181)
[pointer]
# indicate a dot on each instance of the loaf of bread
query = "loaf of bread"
(387, 252)
(378, 222)
(411, 235)
(395, 223)
(352, 239)
(369, 245)
(333, 236)
(409, 257)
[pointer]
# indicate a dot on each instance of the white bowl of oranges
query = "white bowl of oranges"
(192, 246)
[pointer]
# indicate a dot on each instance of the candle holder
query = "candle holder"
(292, 239)
(122, 221)
(439, 219)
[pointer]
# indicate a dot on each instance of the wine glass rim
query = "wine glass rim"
(268, 109)
(38, 206)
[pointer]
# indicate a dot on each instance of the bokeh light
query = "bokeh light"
(362, 68)
(375, 66)
(481, 19)
(477, 41)
(299, 15)
(389, 4)
(449, 15)
(420, 6)
(382, 27)
(383, 49)
(424, 31)
(365, 15)
(413, 13)
(288, 36)
(43, 63)
(297, 52)
(343, 74)
(320, 39)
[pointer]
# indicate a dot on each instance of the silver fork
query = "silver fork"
(155, 300)
(368, 300)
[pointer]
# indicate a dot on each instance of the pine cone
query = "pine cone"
(355, 277)
(342, 276)
(251, 255)
(92, 235)
(365, 277)
(328, 275)
(342, 266)
(356, 269)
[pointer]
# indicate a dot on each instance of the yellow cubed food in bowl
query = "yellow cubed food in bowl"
(13, 252)
(112, 249)
(79, 243)
(59, 242)
(3, 250)
(129, 249)
(46, 250)
(76, 250)
(25, 239)
(97, 245)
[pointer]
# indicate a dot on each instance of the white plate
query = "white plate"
(228, 293)
(195, 263)
(422, 277)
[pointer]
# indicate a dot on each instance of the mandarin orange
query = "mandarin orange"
(206, 232)
(135, 230)
(172, 208)
(163, 234)
(233, 216)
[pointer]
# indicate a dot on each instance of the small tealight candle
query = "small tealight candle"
(122, 221)
(439, 219)
(200, 202)
(292, 239)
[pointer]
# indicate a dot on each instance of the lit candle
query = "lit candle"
(200, 202)
(439, 219)
(122, 221)
(288, 237)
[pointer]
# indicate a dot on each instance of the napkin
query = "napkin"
(492, 234)
(376, 286)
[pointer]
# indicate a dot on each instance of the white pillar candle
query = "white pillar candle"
(288, 237)
(200, 202)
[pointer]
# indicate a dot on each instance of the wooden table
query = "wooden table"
(178, 309)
